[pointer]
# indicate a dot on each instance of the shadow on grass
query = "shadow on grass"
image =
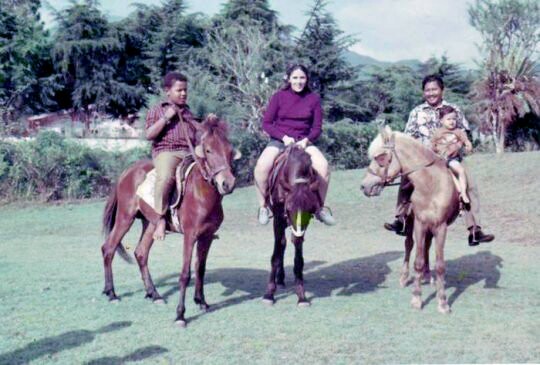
(463, 272)
(53, 345)
(355, 276)
(137, 355)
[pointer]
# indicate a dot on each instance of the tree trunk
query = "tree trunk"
(501, 138)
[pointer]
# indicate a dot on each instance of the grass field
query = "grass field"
(52, 310)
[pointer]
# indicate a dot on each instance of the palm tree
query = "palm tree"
(509, 91)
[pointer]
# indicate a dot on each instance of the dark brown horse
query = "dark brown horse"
(200, 213)
(293, 199)
(434, 202)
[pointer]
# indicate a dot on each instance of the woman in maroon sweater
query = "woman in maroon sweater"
(294, 115)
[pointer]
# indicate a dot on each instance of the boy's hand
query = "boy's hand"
(170, 112)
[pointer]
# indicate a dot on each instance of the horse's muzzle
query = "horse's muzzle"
(225, 182)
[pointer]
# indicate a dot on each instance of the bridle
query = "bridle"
(208, 172)
(387, 181)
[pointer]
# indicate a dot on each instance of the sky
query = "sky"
(388, 30)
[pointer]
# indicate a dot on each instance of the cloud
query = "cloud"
(393, 30)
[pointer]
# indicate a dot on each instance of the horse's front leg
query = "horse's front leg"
(409, 243)
(203, 247)
(299, 271)
(277, 256)
(185, 275)
(440, 268)
(419, 237)
(427, 277)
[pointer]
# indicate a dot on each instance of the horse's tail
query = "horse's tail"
(109, 214)
(109, 218)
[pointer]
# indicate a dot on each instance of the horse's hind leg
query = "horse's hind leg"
(299, 271)
(121, 226)
(427, 277)
(141, 254)
(419, 237)
(277, 257)
(440, 269)
(409, 243)
(203, 247)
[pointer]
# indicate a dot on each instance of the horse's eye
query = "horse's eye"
(208, 151)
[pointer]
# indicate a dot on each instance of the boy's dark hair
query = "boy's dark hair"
(433, 78)
(171, 77)
(444, 110)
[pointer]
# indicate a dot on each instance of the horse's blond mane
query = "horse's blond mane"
(377, 145)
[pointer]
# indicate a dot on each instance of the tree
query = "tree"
(85, 51)
(508, 88)
(239, 57)
(174, 40)
(389, 93)
(320, 47)
(26, 84)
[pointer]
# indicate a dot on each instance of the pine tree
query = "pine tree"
(320, 47)
(26, 84)
(174, 40)
(85, 52)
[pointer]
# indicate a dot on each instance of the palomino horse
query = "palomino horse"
(293, 199)
(200, 213)
(434, 202)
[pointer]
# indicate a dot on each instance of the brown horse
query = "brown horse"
(434, 202)
(200, 213)
(293, 199)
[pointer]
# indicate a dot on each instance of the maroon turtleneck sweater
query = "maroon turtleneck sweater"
(297, 115)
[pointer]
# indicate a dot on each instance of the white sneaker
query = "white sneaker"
(264, 215)
(325, 216)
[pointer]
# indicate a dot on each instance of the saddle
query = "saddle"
(146, 192)
(279, 162)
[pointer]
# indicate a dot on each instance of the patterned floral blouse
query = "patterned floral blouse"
(424, 121)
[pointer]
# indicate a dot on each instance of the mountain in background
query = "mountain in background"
(356, 59)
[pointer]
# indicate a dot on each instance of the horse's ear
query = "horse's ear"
(386, 133)
(199, 151)
(237, 154)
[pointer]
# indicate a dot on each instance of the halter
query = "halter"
(387, 181)
(207, 172)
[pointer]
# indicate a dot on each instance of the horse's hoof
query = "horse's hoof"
(159, 301)
(181, 323)
(444, 308)
(204, 307)
(416, 302)
(267, 301)
(304, 304)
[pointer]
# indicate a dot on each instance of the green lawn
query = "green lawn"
(52, 310)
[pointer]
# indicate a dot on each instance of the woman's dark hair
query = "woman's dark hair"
(433, 78)
(290, 70)
(445, 110)
(171, 77)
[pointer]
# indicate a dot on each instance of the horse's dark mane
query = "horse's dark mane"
(214, 125)
(302, 157)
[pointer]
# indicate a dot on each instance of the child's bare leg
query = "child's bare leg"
(456, 167)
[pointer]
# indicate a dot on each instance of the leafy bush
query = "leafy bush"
(345, 144)
(52, 167)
